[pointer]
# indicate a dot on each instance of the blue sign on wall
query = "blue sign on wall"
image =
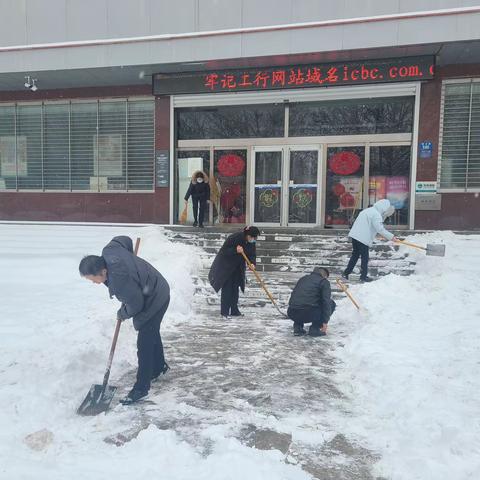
(426, 149)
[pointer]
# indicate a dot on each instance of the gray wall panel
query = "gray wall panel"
(310, 10)
(278, 43)
(173, 17)
(266, 12)
(370, 35)
(13, 29)
(86, 20)
(46, 21)
(366, 8)
(86, 57)
(127, 19)
(424, 30)
(219, 14)
(317, 39)
(416, 5)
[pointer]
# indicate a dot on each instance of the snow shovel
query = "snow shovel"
(99, 397)
(436, 250)
(262, 284)
(347, 293)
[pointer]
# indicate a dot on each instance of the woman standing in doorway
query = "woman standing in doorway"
(199, 190)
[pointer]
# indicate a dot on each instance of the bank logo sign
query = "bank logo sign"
(296, 76)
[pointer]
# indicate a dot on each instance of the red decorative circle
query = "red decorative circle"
(347, 200)
(344, 163)
(338, 189)
(231, 165)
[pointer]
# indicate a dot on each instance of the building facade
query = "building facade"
(301, 113)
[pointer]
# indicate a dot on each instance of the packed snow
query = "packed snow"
(407, 365)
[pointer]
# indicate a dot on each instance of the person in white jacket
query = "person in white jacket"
(366, 227)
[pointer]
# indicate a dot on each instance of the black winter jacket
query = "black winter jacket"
(199, 191)
(313, 291)
(228, 261)
(142, 290)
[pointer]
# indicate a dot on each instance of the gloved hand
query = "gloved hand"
(122, 313)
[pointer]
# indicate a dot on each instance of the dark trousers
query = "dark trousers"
(359, 250)
(312, 315)
(229, 296)
(151, 359)
(199, 204)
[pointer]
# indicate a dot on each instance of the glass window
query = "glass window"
(244, 121)
(351, 117)
(460, 158)
(92, 146)
(228, 185)
(188, 162)
(29, 147)
(303, 186)
(56, 161)
(390, 178)
(8, 165)
(344, 196)
(268, 186)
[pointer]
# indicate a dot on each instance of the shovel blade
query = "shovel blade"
(436, 250)
(97, 400)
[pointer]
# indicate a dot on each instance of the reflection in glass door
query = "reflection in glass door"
(268, 166)
(303, 186)
(344, 184)
(390, 178)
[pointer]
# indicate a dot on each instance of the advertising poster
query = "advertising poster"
(397, 191)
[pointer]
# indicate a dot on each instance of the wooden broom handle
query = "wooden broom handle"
(260, 281)
(345, 290)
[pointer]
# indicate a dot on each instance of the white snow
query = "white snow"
(411, 364)
(55, 334)
(408, 366)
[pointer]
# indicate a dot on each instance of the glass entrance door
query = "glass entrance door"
(285, 185)
(268, 186)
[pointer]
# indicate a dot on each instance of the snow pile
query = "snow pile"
(411, 364)
(55, 334)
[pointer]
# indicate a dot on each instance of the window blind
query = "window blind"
(92, 146)
(460, 141)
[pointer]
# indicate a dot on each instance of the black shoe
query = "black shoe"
(201, 225)
(299, 331)
(345, 275)
(195, 223)
(316, 332)
(226, 317)
(366, 279)
(238, 313)
(134, 396)
(164, 370)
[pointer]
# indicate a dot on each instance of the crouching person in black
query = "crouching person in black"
(145, 295)
(199, 190)
(228, 269)
(311, 302)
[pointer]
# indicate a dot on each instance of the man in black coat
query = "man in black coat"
(228, 269)
(145, 295)
(199, 190)
(311, 302)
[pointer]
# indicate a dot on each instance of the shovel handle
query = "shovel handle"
(115, 335)
(411, 244)
(260, 281)
(347, 293)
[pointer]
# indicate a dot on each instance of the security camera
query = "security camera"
(28, 82)
(34, 87)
